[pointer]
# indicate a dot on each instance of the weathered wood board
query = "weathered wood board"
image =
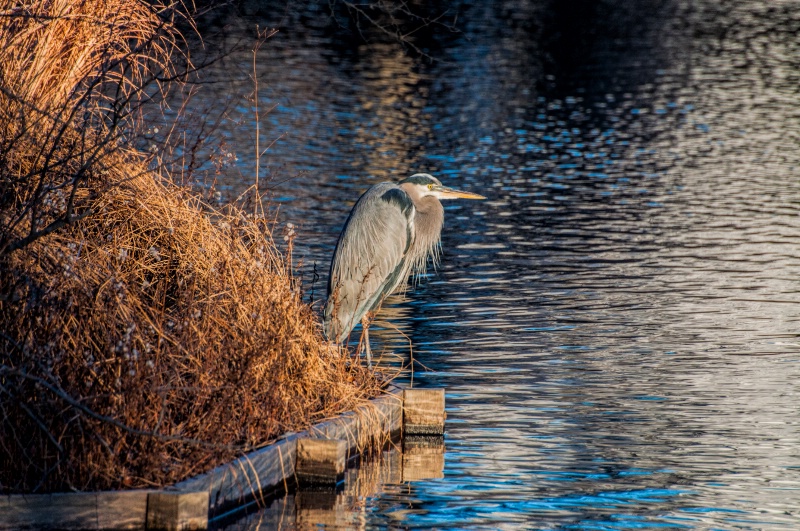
(79, 510)
(177, 511)
(269, 469)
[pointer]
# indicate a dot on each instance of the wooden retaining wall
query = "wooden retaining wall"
(315, 456)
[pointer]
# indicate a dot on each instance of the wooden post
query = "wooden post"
(320, 461)
(176, 511)
(423, 412)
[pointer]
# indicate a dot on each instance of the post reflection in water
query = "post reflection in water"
(348, 507)
(618, 325)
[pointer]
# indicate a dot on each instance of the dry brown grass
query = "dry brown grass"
(73, 76)
(146, 338)
(56, 48)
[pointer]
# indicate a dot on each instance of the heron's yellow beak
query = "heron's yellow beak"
(451, 193)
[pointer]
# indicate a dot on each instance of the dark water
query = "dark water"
(618, 326)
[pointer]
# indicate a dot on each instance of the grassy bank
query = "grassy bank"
(144, 337)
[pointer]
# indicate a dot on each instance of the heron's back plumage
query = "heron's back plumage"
(371, 257)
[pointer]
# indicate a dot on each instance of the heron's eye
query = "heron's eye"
(430, 187)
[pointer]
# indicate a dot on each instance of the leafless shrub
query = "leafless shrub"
(144, 336)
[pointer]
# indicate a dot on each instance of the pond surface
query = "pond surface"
(618, 325)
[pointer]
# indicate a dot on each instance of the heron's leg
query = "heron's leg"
(365, 322)
(369, 351)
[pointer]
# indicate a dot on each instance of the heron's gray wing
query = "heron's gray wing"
(369, 262)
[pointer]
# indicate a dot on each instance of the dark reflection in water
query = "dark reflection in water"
(617, 327)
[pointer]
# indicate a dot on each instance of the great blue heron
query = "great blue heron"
(392, 231)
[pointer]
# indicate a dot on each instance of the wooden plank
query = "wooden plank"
(248, 478)
(423, 412)
(75, 510)
(121, 509)
(254, 475)
(176, 511)
(380, 419)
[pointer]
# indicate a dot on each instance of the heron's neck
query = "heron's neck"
(428, 230)
(430, 215)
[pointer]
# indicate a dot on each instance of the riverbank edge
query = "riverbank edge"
(227, 489)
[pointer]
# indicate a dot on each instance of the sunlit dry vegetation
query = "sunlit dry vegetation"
(144, 336)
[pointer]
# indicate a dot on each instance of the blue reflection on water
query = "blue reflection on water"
(610, 324)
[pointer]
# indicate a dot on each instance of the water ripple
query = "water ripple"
(618, 326)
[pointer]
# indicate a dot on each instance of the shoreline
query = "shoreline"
(248, 482)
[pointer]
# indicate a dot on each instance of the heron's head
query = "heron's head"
(424, 185)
